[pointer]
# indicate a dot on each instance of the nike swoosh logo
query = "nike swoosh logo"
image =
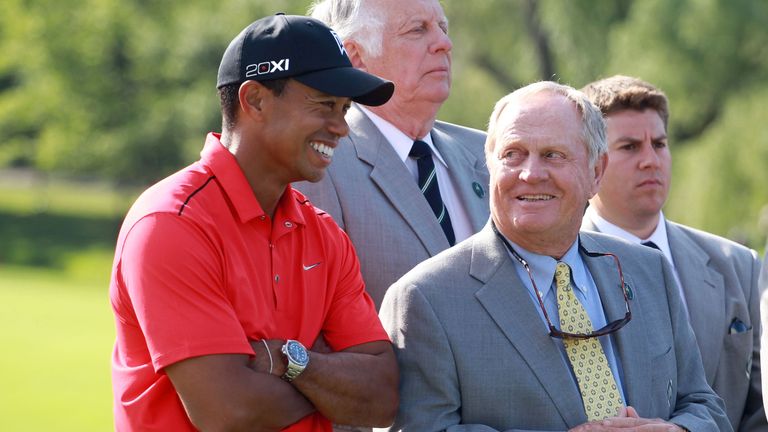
(310, 267)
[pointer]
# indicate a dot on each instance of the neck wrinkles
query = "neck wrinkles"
(415, 120)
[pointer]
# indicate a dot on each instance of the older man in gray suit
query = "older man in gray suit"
(529, 325)
(718, 278)
(373, 187)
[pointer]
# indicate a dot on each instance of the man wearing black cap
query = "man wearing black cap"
(224, 276)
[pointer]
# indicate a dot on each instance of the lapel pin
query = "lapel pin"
(628, 290)
(478, 189)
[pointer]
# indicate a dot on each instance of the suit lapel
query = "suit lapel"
(631, 341)
(457, 158)
(390, 174)
(704, 295)
(506, 300)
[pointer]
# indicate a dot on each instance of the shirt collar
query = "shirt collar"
(659, 235)
(228, 173)
(401, 142)
(543, 267)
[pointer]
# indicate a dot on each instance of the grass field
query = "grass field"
(56, 327)
(56, 333)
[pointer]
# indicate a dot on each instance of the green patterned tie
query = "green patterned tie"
(599, 392)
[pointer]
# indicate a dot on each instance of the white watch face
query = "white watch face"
(297, 353)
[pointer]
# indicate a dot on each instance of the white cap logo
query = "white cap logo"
(342, 51)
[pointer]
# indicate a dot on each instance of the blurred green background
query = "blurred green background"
(99, 98)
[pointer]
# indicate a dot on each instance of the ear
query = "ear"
(599, 170)
(356, 54)
(252, 96)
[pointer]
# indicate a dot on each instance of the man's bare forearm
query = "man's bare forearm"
(357, 386)
(223, 392)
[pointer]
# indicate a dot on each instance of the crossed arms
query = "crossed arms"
(236, 392)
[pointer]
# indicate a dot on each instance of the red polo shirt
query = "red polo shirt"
(200, 269)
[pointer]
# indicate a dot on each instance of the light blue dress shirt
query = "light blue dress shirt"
(543, 271)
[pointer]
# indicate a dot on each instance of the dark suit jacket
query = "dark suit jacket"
(371, 194)
(720, 282)
(474, 355)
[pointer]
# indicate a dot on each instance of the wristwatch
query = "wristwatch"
(298, 358)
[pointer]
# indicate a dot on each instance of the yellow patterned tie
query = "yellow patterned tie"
(599, 392)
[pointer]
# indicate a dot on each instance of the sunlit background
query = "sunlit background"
(99, 98)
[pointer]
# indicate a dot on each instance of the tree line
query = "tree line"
(125, 91)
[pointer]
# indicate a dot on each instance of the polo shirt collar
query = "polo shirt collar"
(288, 208)
(235, 185)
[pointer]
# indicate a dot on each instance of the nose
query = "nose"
(337, 125)
(533, 171)
(648, 156)
(442, 42)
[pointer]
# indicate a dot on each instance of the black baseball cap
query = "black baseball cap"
(302, 48)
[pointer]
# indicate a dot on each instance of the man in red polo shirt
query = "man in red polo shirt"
(225, 278)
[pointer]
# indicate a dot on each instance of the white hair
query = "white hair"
(354, 20)
(593, 125)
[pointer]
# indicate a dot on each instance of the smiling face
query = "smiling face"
(540, 174)
(416, 50)
(301, 129)
(637, 179)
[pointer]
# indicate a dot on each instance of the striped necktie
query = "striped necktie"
(429, 187)
(599, 392)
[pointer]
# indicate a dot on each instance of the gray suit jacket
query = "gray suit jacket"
(474, 354)
(720, 282)
(764, 320)
(371, 194)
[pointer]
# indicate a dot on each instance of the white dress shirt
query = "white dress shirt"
(462, 227)
(659, 237)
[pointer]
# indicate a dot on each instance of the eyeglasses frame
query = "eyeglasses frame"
(607, 329)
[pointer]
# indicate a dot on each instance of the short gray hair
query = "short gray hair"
(593, 125)
(357, 20)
